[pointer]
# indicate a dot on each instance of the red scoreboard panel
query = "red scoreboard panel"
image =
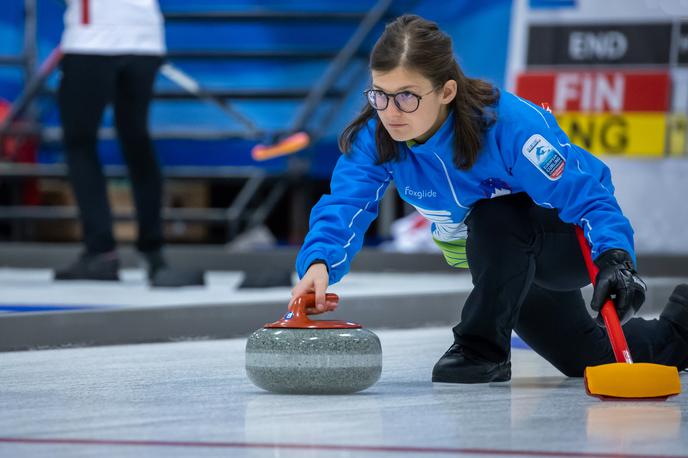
(595, 91)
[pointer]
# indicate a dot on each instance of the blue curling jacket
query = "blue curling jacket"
(523, 151)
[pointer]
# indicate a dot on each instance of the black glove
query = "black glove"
(618, 280)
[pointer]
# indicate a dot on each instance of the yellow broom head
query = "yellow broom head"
(632, 381)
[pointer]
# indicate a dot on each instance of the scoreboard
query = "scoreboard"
(605, 112)
(615, 73)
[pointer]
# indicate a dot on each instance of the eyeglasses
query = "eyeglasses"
(406, 101)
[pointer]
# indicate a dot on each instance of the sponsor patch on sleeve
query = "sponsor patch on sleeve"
(544, 156)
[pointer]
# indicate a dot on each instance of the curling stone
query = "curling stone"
(297, 355)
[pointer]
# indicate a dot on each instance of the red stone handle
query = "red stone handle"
(301, 307)
(305, 304)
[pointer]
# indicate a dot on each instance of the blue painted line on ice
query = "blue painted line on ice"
(27, 308)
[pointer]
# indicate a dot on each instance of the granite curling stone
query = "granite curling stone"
(297, 355)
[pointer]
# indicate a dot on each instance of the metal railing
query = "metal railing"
(238, 216)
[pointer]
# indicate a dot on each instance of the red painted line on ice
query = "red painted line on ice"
(326, 447)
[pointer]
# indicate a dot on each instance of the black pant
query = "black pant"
(89, 83)
(527, 271)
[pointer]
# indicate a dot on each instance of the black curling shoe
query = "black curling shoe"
(161, 275)
(89, 266)
(676, 311)
(457, 367)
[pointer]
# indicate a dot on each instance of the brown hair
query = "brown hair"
(419, 45)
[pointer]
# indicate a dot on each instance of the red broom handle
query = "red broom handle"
(611, 319)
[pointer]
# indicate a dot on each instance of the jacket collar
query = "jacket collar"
(439, 139)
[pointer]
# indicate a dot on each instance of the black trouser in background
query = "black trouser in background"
(89, 83)
(527, 271)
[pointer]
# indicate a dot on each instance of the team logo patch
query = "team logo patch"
(494, 187)
(544, 156)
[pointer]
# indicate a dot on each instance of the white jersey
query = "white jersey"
(113, 27)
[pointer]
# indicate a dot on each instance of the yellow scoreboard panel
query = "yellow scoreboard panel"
(678, 128)
(637, 134)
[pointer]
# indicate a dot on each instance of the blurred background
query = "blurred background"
(615, 74)
(245, 118)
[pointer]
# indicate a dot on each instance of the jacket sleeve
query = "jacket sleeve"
(558, 174)
(340, 219)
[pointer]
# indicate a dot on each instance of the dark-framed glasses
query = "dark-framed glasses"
(406, 101)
